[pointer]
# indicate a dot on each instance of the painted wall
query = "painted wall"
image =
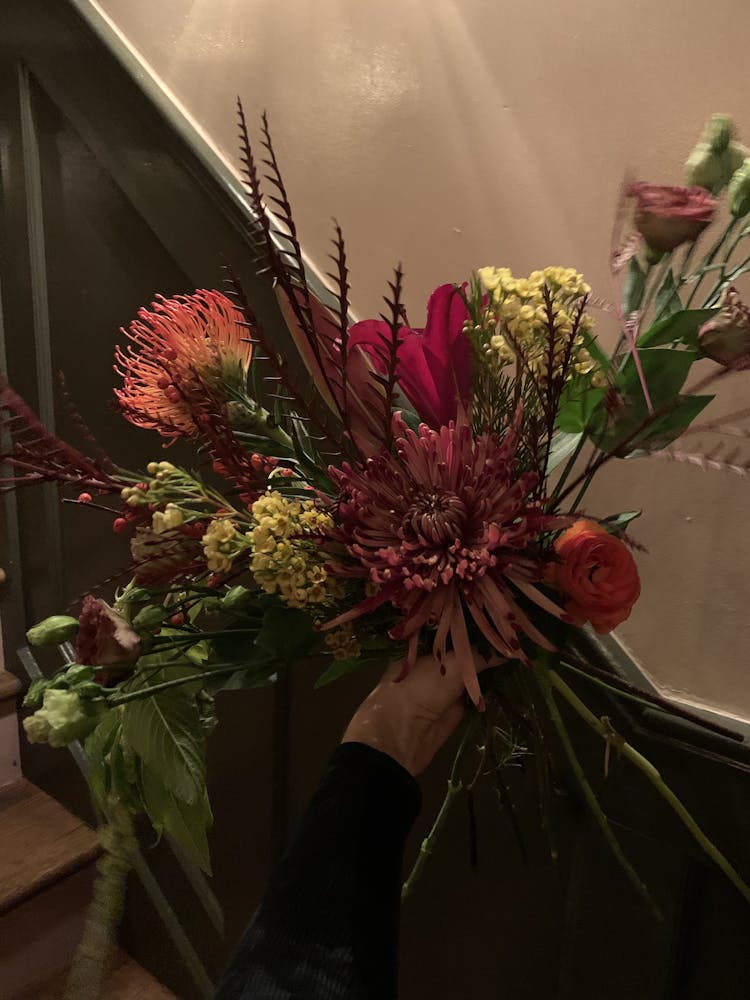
(454, 133)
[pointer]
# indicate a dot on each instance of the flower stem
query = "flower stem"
(566, 472)
(711, 256)
(455, 785)
(545, 677)
(212, 670)
(654, 777)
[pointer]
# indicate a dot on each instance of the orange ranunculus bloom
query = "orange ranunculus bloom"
(598, 574)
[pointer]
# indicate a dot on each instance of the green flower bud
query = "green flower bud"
(718, 132)
(89, 690)
(52, 631)
(739, 191)
(236, 598)
(37, 728)
(77, 674)
(149, 618)
(33, 696)
(61, 719)
(703, 168)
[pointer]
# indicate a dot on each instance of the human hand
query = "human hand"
(412, 718)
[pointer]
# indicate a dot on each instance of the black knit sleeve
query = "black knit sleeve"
(327, 927)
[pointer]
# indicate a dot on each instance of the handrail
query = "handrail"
(216, 164)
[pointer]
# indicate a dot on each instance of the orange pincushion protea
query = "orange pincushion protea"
(181, 349)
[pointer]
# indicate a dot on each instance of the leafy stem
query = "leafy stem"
(455, 785)
(652, 775)
(212, 670)
(546, 680)
(710, 257)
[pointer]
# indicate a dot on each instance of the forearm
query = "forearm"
(328, 925)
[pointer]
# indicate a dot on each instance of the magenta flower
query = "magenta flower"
(434, 363)
(443, 527)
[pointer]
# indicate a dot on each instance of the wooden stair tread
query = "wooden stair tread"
(127, 981)
(9, 685)
(40, 842)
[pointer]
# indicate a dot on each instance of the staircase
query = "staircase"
(47, 862)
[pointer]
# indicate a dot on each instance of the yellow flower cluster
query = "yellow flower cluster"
(171, 517)
(343, 643)
(518, 306)
(221, 544)
(285, 558)
(151, 491)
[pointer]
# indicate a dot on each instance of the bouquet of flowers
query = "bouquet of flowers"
(385, 490)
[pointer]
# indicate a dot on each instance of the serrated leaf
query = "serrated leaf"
(339, 668)
(164, 731)
(680, 328)
(98, 746)
(187, 824)
(634, 287)
(124, 783)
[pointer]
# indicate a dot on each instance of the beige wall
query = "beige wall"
(455, 133)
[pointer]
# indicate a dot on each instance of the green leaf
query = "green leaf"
(591, 344)
(287, 633)
(679, 328)
(258, 675)
(578, 403)
(339, 668)
(187, 823)
(666, 429)
(124, 781)
(563, 445)
(634, 287)
(164, 731)
(667, 300)
(616, 523)
(98, 746)
(665, 372)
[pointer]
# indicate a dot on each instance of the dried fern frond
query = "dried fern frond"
(713, 461)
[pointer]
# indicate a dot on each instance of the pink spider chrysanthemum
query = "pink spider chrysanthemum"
(445, 527)
(180, 348)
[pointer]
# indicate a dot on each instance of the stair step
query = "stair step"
(40, 842)
(10, 757)
(9, 685)
(126, 981)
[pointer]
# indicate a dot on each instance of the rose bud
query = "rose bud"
(104, 637)
(667, 216)
(726, 337)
